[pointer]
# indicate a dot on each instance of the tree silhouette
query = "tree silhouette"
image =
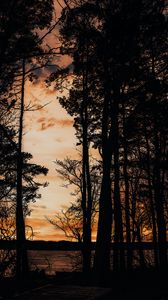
(20, 42)
(117, 99)
(70, 219)
(8, 190)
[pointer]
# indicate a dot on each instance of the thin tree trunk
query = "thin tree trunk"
(127, 210)
(89, 209)
(21, 252)
(87, 199)
(152, 208)
(161, 224)
(127, 204)
(118, 234)
(103, 242)
(159, 205)
(87, 196)
(141, 253)
(133, 211)
(84, 248)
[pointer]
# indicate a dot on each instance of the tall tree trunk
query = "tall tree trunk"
(84, 210)
(127, 204)
(103, 242)
(118, 234)
(89, 210)
(133, 210)
(161, 224)
(152, 207)
(159, 205)
(87, 194)
(141, 253)
(21, 251)
(136, 234)
(86, 199)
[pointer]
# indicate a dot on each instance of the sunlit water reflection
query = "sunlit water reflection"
(54, 261)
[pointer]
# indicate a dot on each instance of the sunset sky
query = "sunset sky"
(49, 135)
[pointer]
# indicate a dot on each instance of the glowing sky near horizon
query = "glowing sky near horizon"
(49, 135)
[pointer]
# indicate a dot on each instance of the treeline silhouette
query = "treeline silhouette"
(21, 53)
(119, 104)
(117, 94)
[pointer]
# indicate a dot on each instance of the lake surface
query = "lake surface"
(54, 261)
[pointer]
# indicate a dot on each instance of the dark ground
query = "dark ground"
(137, 285)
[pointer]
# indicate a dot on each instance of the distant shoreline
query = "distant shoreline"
(42, 245)
(71, 246)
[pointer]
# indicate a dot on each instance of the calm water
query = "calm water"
(67, 261)
(54, 261)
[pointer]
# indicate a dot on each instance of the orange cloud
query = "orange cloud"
(36, 222)
(65, 122)
(46, 123)
(43, 230)
(55, 236)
